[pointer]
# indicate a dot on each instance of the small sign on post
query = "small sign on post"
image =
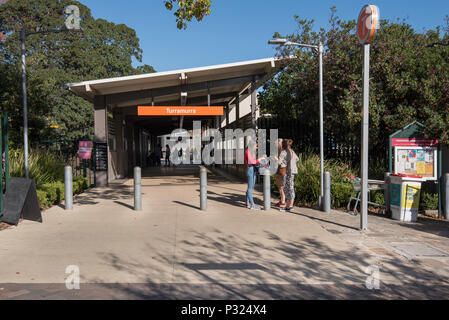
(367, 24)
(85, 150)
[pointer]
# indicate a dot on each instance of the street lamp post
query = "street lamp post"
(23, 36)
(285, 42)
(25, 105)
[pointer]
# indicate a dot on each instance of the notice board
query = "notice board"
(101, 156)
(413, 157)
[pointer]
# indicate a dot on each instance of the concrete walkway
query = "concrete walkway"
(172, 250)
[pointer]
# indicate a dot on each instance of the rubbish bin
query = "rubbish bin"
(405, 192)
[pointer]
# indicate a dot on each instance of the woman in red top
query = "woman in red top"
(251, 162)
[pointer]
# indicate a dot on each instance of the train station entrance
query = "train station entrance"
(134, 114)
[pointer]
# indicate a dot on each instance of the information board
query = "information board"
(419, 161)
(101, 156)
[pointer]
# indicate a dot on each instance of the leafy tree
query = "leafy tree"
(189, 9)
(103, 50)
(408, 82)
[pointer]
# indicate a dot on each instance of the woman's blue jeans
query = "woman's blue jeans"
(251, 173)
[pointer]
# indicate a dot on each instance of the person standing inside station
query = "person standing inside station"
(158, 154)
(167, 156)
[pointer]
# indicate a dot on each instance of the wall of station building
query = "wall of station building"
(245, 110)
(129, 147)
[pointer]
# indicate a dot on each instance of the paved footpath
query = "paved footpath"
(172, 250)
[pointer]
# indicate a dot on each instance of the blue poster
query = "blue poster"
(420, 155)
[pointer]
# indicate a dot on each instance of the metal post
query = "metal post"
(253, 105)
(137, 189)
(94, 155)
(365, 140)
(446, 196)
(6, 147)
(68, 188)
(25, 106)
(84, 168)
(203, 189)
(387, 193)
(321, 128)
(327, 193)
(266, 189)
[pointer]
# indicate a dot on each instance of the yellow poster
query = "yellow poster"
(411, 196)
(421, 168)
(429, 169)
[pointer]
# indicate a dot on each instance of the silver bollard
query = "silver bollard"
(327, 193)
(203, 189)
(266, 189)
(68, 188)
(387, 193)
(446, 196)
(137, 189)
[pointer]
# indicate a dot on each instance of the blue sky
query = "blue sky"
(238, 30)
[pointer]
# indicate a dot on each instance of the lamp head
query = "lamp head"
(278, 41)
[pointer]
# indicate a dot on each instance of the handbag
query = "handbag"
(282, 172)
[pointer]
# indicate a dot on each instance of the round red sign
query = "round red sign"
(367, 24)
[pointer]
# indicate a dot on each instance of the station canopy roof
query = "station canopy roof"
(188, 87)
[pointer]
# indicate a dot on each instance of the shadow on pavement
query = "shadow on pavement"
(222, 266)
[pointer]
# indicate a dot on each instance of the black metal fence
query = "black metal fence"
(68, 152)
(345, 147)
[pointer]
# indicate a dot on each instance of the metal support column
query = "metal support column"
(267, 189)
(68, 188)
(387, 193)
(446, 196)
(327, 193)
(203, 189)
(321, 49)
(25, 104)
(6, 148)
(237, 110)
(253, 104)
(137, 189)
(365, 140)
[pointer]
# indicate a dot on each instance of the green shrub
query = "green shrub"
(307, 182)
(340, 194)
(54, 191)
(80, 184)
(44, 167)
(43, 200)
(378, 197)
(429, 201)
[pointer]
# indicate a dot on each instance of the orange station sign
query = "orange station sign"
(180, 111)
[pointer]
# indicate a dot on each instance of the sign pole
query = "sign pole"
(365, 140)
(366, 27)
